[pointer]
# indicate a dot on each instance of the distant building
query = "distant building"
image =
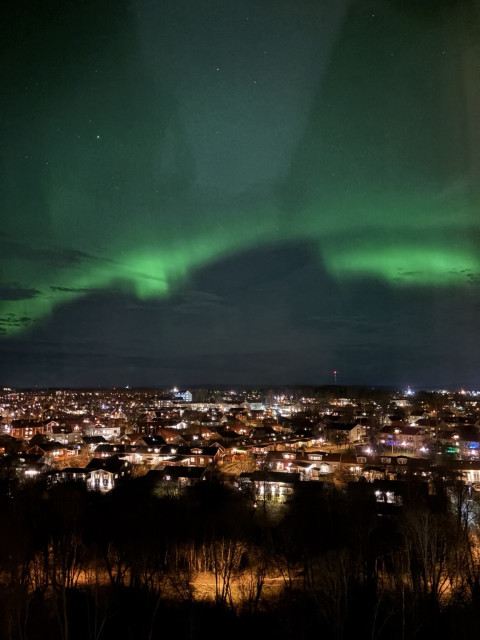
(107, 432)
(184, 395)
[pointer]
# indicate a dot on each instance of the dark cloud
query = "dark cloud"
(17, 292)
(11, 321)
(59, 257)
(348, 319)
(199, 302)
(261, 330)
(409, 273)
(473, 279)
(73, 289)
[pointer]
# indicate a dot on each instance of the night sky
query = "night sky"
(240, 192)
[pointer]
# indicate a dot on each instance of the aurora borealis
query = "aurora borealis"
(240, 191)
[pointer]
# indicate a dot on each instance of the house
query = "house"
(469, 470)
(306, 470)
(176, 476)
(234, 452)
(388, 497)
(410, 438)
(238, 426)
(105, 474)
(92, 442)
(201, 456)
(106, 450)
(54, 450)
(108, 432)
(227, 435)
(32, 465)
(141, 454)
(263, 433)
(67, 437)
(275, 486)
(147, 426)
(419, 414)
(280, 460)
(343, 432)
(394, 467)
(260, 449)
(467, 439)
(184, 395)
(26, 429)
(69, 474)
(154, 441)
(431, 425)
(315, 456)
(332, 462)
(307, 464)
(195, 439)
(171, 436)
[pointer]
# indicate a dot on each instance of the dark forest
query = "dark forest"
(140, 562)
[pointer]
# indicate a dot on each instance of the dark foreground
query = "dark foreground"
(78, 565)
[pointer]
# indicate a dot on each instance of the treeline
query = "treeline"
(138, 564)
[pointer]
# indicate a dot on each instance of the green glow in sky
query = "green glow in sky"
(408, 266)
(395, 253)
(139, 164)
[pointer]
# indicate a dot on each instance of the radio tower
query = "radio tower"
(335, 376)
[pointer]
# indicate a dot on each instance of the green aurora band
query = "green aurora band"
(153, 272)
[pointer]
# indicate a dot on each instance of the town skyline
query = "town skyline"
(215, 502)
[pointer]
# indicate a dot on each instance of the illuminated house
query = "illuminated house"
(468, 469)
(269, 485)
(201, 456)
(53, 449)
(307, 465)
(409, 438)
(106, 450)
(109, 433)
(342, 432)
(32, 466)
(464, 439)
(105, 474)
(26, 429)
(69, 474)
